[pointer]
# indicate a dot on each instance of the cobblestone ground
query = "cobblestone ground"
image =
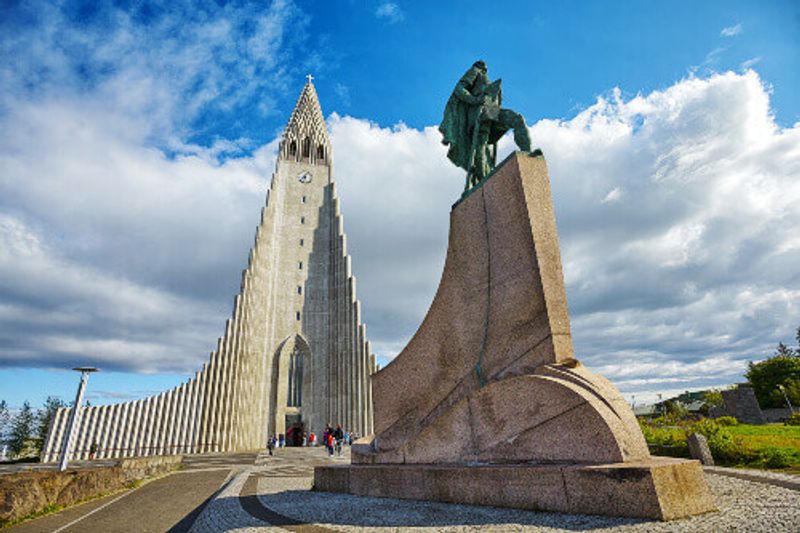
(274, 495)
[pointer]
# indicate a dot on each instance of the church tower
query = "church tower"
(294, 355)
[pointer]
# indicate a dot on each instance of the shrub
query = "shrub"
(663, 440)
(675, 410)
(711, 398)
(725, 447)
(775, 458)
(793, 420)
(727, 421)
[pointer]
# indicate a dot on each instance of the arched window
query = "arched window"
(321, 152)
(306, 147)
(293, 148)
(295, 396)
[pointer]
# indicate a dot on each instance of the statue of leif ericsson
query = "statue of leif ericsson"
(474, 121)
(488, 392)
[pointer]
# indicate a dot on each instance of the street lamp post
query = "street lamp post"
(786, 397)
(65, 448)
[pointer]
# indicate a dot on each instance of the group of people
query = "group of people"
(332, 439)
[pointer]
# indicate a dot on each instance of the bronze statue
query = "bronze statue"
(474, 121)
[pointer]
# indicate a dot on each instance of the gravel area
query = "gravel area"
(225, 513)
(744, 506)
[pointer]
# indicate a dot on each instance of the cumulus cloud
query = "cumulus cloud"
(106, 205)
(391, 12)
(692, 269)
(731, 31)
(396, 188)
(160, 65)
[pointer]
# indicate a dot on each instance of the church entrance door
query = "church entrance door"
(294, 430)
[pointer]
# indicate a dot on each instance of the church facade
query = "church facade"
(294, 355)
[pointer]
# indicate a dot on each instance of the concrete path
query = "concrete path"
(257, 493)
(171, 503)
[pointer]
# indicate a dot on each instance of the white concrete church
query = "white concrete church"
(294, 354)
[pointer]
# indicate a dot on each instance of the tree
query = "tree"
(21, 428)
(797, 336)
(791, 387)
(46, 415)
(765, 376)
(675, 411)
(712, 398)
(783, 351)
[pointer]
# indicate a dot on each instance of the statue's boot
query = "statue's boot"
(512, 120)
(521, 135)
(523, 139)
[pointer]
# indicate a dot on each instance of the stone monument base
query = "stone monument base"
(487, 405)
(660, 488)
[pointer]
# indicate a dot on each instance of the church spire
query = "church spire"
(305, 138)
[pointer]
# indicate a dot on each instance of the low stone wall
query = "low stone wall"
(777, 415)
(24, 493)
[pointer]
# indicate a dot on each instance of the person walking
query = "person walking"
(271, 444)
(338, 436)
(330, 441)
(326, 439)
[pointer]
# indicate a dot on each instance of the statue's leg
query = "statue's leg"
(513, 120)
(482, 165)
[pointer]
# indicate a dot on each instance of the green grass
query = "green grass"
(760, 438)
(743, 445)
(788, 432)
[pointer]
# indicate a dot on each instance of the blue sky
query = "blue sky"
(138, 138)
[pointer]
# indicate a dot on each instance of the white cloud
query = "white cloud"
(161, 70)
(396, 187)
(73, 311)
(390, 11)
(613, 196)
(712, 58)
(749, 63)
(693, 266)
(343, 92)
(104, 206)
(731, 31)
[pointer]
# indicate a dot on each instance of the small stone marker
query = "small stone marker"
(698, 449)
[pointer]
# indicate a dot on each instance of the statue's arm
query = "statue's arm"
(462, 89)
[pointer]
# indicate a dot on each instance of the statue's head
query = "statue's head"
(479, 64)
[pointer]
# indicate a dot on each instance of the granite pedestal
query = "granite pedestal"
(487, 404)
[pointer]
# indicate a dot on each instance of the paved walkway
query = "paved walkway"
(210, 492)
(257, 493)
